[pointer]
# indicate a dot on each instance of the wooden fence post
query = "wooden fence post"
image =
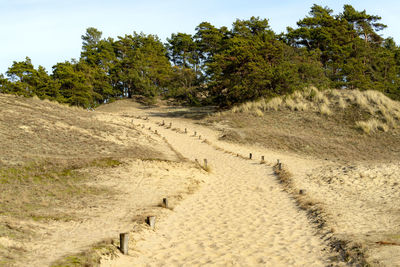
(250, 156)
(165, 203)
(151, 221)
(123, 242)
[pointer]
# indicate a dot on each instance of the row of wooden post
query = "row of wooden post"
(150, 220)
(124, 237)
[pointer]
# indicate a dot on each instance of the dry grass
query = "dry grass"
(90, 257)
(384, 110)
(46, 151)
(48, 190)
(333, 124)
(34, 130)
(372, 125)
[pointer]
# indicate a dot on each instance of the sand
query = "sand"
(240, 217)
(237, 214)
(215, 226)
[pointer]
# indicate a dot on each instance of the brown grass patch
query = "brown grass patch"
(90, 257)
(327, 102)
(48, 190)
(345, 130)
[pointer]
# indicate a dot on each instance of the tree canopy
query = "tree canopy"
(221, 66)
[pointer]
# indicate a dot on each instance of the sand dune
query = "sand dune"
(240, 217)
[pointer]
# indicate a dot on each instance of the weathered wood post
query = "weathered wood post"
(165, 203)
(279, 166)
(123, 242)
(151, 221)
(250, 156)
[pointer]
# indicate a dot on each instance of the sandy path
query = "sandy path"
(240, 217)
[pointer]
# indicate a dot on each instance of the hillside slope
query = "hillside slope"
(69, 180)
(340, 125)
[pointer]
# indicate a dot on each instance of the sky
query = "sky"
(49, 31)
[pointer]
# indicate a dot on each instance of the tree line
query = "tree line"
(221, 66)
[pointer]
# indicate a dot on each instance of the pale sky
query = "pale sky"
(49, 31)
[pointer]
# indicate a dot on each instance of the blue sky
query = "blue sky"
(49, 31)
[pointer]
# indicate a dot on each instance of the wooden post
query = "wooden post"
(151, 221)
(250, 156)
(123, 242)
(205, 163)
(165, 203)
(262, 159)
(280, 166)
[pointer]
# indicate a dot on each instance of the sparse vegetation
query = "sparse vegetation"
(90, 257)
(48, 156)
(332, 124)
(384, 112)
(35, 190)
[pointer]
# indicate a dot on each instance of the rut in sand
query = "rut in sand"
(241, 216)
